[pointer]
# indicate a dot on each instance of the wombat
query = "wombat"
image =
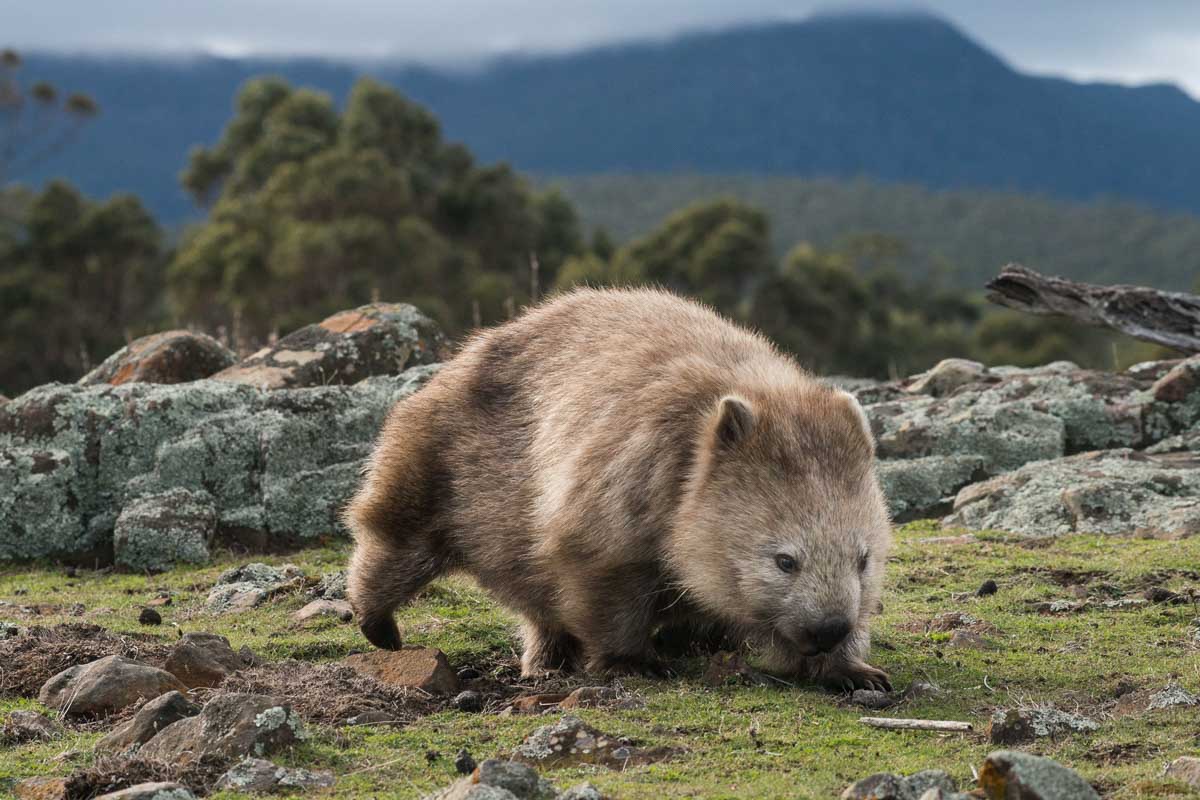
(614, 462)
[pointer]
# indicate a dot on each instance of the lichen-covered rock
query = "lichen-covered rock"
(278, 465)
(167, 357)
(921, 487)
(28, 726)
(259, 776)
(1012, 775)
(244, 587)
(1111, 492)
(376, 339)
(104, 686)
(229, 726)
(1180, 383)
(947, 375)
(203, 660)
(160, 530)
(886, 786)
(570, 740)
(1020, 725)
(147, 722)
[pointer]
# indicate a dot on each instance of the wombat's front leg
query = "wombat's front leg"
(843, 670)
(615, 620)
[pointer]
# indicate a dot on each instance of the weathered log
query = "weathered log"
(1171, 319)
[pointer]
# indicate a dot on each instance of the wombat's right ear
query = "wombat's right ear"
(735, 420)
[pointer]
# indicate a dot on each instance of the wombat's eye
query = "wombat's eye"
(785, 562)
(862, 562)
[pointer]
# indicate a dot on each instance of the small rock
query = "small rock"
(469, 674)
(1011, 775)
(258, 776)
(424, 668)
(918, 784)
(569, 740)
(946, 376)
(229, 726)
(331, 587)
(1016, 726)
(151, 791)
(1178, 384)
(515, 777)
(169, 357)
(104, 686)
(160, 601)
(1173, 695)
(41, 788)
(203, 660)
(28, 726)
(592, 697)
(325, 608)
(987, 588)
(870, 698)
(881, 786)
(468, 701)
(149, 616)
(537, 703)
(148, 721)
(918, 689)
(235, 597)
(464, 764)
(582, 791)
(1186, 769)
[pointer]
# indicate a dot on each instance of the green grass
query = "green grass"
(808, 743)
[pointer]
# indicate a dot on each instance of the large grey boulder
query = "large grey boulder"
(277, 465)
(1109, 492)
(1012, 775)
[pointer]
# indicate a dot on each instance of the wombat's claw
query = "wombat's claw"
(858, 676)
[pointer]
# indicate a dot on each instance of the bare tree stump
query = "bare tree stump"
(1171, 319)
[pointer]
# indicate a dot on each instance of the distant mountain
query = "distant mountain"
(903, 98)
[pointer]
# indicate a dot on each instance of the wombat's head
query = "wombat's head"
(784, 532)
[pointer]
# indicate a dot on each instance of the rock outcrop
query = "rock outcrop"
(167, 357)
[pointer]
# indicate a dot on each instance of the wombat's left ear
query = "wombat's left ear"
(860, 416)
(735, 420)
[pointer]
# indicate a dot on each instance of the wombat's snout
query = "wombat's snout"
(828, 633)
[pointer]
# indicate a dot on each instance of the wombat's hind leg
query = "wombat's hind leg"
(547, 649)
(382, 578)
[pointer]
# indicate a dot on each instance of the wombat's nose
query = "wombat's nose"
(828, 633)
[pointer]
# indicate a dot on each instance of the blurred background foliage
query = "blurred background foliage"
(312, 209)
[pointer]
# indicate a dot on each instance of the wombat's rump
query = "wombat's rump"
(613, 462)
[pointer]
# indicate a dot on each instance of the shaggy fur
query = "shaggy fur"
(616, 462)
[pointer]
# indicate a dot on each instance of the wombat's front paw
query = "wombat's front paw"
(646, 666)
(856, 675)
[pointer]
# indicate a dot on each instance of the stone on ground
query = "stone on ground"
(151, 718)
(1012, 775)
(569, 740)
(1186, 769)
(424, 668)
(229, 726)
(338, 609)
(205, 659)
(886, 786)
(41, 788)
(168, 357)
(105, 686)
(1020, 725)
(259, 776)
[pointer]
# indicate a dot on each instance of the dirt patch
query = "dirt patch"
(1123, 753)
(114, 773)
(1066, 577)
(35, 655)
(330, 694)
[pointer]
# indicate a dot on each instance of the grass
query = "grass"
(743, 741)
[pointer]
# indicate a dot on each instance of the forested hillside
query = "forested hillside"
(963, 235)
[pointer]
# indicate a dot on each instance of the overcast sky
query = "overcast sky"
(1131, 41)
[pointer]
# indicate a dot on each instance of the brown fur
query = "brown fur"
(614, 462)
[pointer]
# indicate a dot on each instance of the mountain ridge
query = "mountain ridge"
(896, 98)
